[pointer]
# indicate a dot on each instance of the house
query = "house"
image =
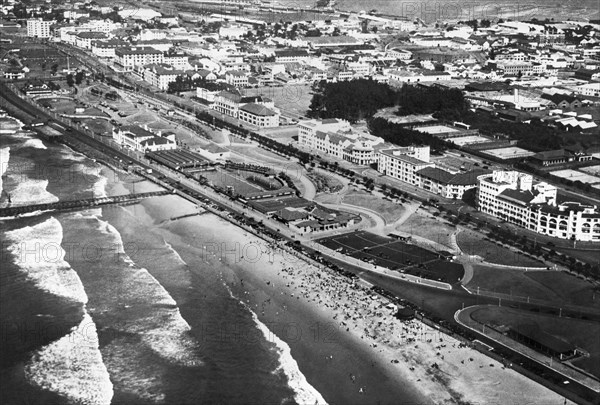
(237, 78)
(15, 73)
(214, 153)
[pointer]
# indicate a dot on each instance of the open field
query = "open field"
(434, 229)
(292, 99)
(580, 333)
(389, 211)
(555, 286)
(473, 243)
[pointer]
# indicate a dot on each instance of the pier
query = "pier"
(78, 204)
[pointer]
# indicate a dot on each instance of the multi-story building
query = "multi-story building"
(403, 163)
(106, 49)
(230, 103)
(129, 58)
(159, 75)
(84, 39)
(38, 28)
(512, 197)
(308, 128)
(258, 115)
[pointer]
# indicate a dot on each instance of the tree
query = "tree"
(70, 80)
(79, 77)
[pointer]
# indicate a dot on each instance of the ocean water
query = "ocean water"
(123, 304)
(451, 10)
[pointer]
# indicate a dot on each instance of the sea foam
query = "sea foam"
(71, 366)
(304, 393)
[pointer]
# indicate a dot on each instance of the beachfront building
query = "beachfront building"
(411, 165)
(336, 138)
(513, 197)
(140, 139)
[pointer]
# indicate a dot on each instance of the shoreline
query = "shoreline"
(450, 380)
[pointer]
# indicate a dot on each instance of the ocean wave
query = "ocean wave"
(38, 254)
(4, 158)
(72, 367)
(166, 332)
(174, 252)
(304, 393)
(30, 191)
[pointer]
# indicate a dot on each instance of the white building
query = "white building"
(307, 129)
(403, 163)
(237, 78)
(159, 76)
(230, 103)
(258, 115)
(512, 196)
(129, 58)
(142, 140)
(38, 28)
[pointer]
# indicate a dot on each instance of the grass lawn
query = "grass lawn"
(429, 228)
(388, 210)
(578, 332)
(473, 243)
(555, 286)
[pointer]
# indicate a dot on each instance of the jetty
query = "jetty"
(78, 204)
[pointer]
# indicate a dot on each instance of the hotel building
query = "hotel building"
(512, 196)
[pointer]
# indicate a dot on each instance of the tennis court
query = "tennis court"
(380, 250)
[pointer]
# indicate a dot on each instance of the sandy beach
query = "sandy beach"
(439, 366)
